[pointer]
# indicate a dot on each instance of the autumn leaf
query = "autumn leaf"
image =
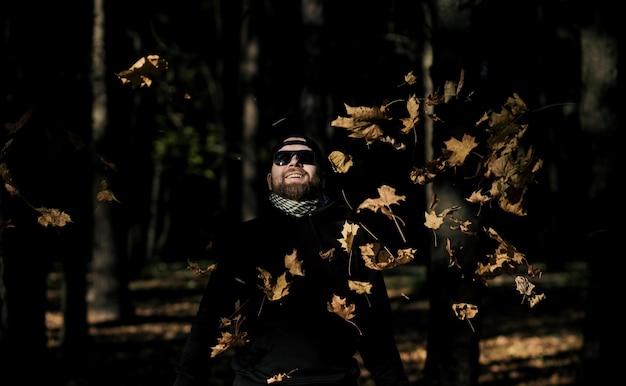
(433, 220)
(14, 127)
(382, 204)
(340, 162)
(228, 340)
(143, 71)
(378, 258)
(280, 377)
(362, 122)
(348, 232)
(454, 254)
(293, 265)
(105, 194)
(327, 254)
(338, 306)
(464, 310)
(527, 289)
(535, 299)
(52, 217)
(410, 78)
(360, 287)
(197, 269)
(413, 108)
(274, 289)
(458, 150)
(477, 197)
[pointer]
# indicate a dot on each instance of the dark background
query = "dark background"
(189, 152)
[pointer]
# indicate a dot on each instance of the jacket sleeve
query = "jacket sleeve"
(194, 366)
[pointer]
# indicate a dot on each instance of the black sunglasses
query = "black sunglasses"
(282, 158)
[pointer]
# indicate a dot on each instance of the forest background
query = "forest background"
(181, 155)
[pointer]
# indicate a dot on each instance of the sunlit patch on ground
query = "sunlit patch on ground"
(522, 348)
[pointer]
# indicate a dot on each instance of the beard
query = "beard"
(300, 192)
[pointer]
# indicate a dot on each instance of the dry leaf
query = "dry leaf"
(52, 217)
(143, 71)
(340, 162)
(348, 232)
(274, 289)
(293, 265)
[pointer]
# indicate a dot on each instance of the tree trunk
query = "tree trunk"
(452, 346)
(45, 161)
(600, 123)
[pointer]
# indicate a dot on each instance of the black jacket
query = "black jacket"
(295, 335)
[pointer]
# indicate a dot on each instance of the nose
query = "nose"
(294, 160)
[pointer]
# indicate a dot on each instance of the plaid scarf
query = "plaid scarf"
(297, 208)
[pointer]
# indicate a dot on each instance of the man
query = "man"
(285, 291)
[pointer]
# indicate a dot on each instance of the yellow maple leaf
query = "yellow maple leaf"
(280, 377)
(143, 71)
(382, 204)
(198, 270)
(340, 162)
(465, 310)
(360, 287)
(227, 340)
(105, 194)
(339, 306)
(413, 108)
(536, 298)
(362, 122)
(348, 232)
(378, 258)
(433, 221)
(274, 289)
(410, 78)
(52, 217)
(459, 149)
(293, 264)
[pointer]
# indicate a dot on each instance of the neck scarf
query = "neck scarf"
(297, 208)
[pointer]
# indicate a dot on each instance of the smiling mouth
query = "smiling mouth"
(294, 176)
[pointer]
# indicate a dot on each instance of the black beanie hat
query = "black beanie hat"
(302, 140)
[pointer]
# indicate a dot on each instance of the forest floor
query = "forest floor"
(519, 345)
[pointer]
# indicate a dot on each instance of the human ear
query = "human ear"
(269, 181)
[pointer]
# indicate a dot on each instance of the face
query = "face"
(296, 180)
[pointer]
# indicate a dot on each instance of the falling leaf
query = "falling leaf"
(340, 162)
(280, 377)
(360, 287)
(459, 149)
(410, 78)
(382, 204)
(293, 264)
(378, 258)
(327, 254)
(535, 299)
(338, 306)
(274, 289)
(196, 268)
(14, 127)
(52, 217)
(348, 232)
(433, 221)
(362, 122)
(227, 340)
(143, 71)
(524, 286)
(464, 310)
(413, 108)
(105, 194)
